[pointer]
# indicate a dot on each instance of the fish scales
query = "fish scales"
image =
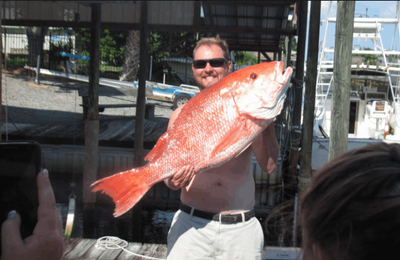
(214, 126)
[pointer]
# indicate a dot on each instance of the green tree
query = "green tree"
(243, 58)
(112, 45)
(368, 57)
(294, 44)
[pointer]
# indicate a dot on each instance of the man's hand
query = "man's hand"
(47, 240)
(181, 179)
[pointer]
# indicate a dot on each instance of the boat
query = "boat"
(374, 111)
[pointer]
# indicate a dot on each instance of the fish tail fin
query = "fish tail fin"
(125, 188)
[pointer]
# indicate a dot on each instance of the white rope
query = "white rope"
(109, 242)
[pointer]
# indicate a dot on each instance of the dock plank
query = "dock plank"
(110, 253)
(70, 243)
(79, 250)
(92, 252)
(150, 250)
(161, 251)
(132, 247)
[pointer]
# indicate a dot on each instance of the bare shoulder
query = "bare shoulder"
(174, 116)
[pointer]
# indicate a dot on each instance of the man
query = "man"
(204, 227)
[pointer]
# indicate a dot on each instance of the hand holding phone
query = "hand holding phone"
(47, 241)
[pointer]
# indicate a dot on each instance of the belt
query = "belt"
(223, 218)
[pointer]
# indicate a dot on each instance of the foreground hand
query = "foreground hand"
(47, 240)
(183, 177)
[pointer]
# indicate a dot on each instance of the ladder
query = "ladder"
(364, 29)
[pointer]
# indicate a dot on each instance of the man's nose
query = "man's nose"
(208, 67)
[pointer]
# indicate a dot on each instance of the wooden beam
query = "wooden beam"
(248, 47)
(296, 131)
(251, 3)
(289, 52)
(1, 76)
(197, 13)
(92, 124)
(156, 27)
(266, 56)
(309, 101)
(215, 29)
(143, 76)
(341, 79)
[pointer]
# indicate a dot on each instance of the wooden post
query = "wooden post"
(1, 74)
(291, 183)
(140, 110)
(92, 124)
(341, 79)
(288, 50)
(309, 102)
(141, 97)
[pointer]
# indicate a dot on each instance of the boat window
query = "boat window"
(357, 84)
(374, 85)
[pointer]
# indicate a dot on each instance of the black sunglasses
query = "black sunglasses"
(215, 63)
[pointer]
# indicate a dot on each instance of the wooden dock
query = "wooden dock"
(81, 248)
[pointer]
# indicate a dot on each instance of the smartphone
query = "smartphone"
(20, 163)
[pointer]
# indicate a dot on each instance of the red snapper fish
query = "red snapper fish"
(213, 127)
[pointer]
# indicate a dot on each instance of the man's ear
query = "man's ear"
(229, 63)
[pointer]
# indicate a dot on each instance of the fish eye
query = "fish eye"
(253, 75)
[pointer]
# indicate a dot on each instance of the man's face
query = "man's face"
(209, 75)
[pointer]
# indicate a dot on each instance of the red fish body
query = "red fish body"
(213, 127)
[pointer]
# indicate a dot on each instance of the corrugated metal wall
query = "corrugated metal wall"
(65, 162)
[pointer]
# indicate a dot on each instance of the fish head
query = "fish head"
(260, 90)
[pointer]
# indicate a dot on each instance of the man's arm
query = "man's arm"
(183, 177)
(266, 149)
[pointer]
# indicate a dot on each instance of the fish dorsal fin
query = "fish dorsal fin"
(234, 136)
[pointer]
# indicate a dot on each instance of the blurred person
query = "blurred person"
(352, 209)
(46, 242)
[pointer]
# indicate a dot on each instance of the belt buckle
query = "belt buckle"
(229, 218)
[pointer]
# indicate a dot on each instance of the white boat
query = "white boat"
(374, 114)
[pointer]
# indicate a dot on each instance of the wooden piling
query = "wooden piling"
(291, 184)
(92, 124)
(141, 97)
(341, 79)
(140, 109)
(309, 102)
(1, 76)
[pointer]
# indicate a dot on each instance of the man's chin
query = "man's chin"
(209, 83)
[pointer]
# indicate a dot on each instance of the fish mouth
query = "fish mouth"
(285, 81)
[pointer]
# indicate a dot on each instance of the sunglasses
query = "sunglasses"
(215, 63)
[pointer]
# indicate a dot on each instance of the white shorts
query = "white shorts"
(198, 238)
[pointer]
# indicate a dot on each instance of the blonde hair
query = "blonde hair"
(213, 40)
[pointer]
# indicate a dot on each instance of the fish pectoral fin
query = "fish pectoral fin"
(234, 136)
(244, 149)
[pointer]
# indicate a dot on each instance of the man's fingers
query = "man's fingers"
(48, 214)
(178, 178)
(45, 191)
(10, 234)
(189, 175)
